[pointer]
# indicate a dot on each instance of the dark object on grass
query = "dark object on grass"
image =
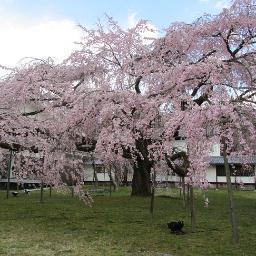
(176, 226)
(26, 191)
(14, 193)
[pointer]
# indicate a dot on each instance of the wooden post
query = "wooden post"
(95, 177)
(125, 177)
(110, 188)
(104, 169)
(217, 185)
(192, 207)
(184, 191)
(235, 182)
(41, 191)
(188, 196)
(110, 182)
(72, 190)
(152, 193)
(230, 196)
(180, 187)
(116, 181)
(9, 175)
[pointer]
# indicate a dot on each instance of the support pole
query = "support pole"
(41, 192)
(192, 207)
(9, 175)
(230, 196)
(152, 193)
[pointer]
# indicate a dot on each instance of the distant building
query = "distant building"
(215, 174)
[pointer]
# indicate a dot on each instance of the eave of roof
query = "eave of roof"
(232, 160)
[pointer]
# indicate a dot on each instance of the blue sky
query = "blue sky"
(42, 28)
(159, 12)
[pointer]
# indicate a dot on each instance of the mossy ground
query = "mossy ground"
(122, 225)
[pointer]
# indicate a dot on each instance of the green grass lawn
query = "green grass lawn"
(122, 225)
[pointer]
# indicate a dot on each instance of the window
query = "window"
(236, 170)
(99, 169)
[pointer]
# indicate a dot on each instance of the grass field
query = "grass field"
(122, 225)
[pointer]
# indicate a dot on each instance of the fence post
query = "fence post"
(9, 175)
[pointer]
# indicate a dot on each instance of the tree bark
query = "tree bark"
(95, 177)
(141, 183)
(72, 190)
(9, 175)
(188, 197)
(116, 180)
(152, 201)
(125, 177)
(111, 179)
(41, 192)
(180, 187)
(183, 191)
(192, 207)
(230, 196)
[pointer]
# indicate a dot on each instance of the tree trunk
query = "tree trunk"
(180, 187)
(192, 207)
(72, 190)
(230, 196)
(153, 193)
(141, 183)
(116, 180)
(188, 198)
(9, 175)
(125, 177)
(183, 191)
(95, 177)
(110, 188)
(111, 179)
(41, 192)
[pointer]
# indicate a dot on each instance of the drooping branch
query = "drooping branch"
(33, 113)
(136, 85)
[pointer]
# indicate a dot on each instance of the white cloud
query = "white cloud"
(133, 19)
(219, 4)
(222, 4)
(41, 39)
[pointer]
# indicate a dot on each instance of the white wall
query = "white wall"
(237, 179)
(215, 150)
(211, 174)
(27, 108)
(180, 144)
(88, 174)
